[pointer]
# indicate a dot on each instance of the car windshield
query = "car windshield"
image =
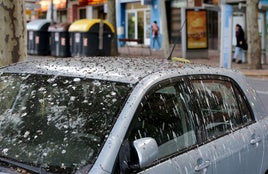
(56, 122)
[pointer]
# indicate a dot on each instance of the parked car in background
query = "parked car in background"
(129, 115)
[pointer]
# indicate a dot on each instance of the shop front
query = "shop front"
(86, 9)
(135, 19)
(55, 10)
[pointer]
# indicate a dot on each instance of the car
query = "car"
(102, 115)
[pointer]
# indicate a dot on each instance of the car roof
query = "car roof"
(120, 69)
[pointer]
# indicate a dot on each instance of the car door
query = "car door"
(165, 115)
(228, 125)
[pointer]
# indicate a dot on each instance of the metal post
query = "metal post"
(101, 28)
(226, 35)
(52, 11)
(263, 43)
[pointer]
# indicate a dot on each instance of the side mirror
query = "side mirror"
(147, 151)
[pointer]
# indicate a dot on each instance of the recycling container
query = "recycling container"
(59, 40)
(90, 37)
(38, 37)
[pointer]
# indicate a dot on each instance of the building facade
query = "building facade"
(65, 10)
(135, 17)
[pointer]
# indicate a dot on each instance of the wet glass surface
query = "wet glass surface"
(56, 122)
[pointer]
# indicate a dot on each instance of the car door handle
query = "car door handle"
(255, 140)
(201, 165)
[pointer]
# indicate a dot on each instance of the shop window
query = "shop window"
(82, 13)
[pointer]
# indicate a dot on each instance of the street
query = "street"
(261, 86)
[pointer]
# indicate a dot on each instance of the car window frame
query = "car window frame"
(186, 79)
(235, 86)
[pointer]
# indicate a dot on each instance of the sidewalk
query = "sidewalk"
(213, 60)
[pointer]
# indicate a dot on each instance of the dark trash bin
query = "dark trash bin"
(59, 40)
(91, 37)
(38, 37)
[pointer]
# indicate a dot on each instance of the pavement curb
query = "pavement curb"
(255, 73)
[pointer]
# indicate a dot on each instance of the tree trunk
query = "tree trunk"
(12, 32)
(111, 17)
(164, 29)
(253, 38)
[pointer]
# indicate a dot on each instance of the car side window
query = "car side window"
(164, 116)
(222, 107)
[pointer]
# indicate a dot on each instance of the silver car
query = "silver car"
(122, 115)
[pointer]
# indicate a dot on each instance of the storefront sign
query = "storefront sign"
(196, 24)
(60, 4)
(91, 2)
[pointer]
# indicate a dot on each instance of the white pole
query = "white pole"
(226, 36)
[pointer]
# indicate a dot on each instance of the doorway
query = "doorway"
(138, 25)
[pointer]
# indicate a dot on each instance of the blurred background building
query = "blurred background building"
(135, 17)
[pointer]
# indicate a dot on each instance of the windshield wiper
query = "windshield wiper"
(24, 166)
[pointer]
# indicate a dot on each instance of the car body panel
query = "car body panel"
(184, 163)
(235, 148)
(217, 156)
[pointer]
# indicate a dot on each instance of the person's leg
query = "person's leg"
(158, 42)
(153, 43)
(241, 55)
(235, 54)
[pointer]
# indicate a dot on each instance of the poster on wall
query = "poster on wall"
(196, 29)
